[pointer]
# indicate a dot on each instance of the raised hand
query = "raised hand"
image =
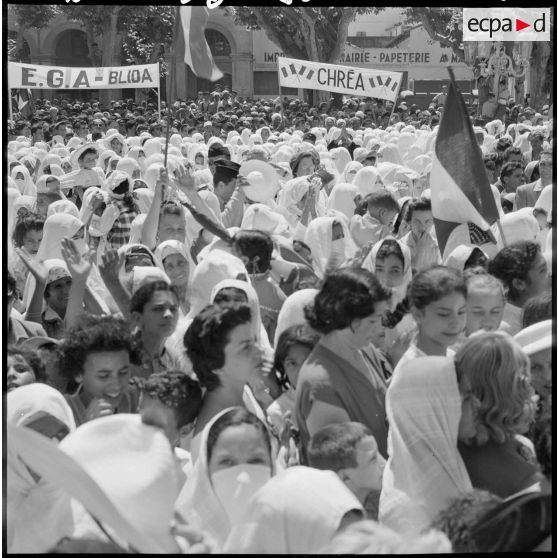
(98, 408)
(37, 268)
(79, 265)
(185, 180)
(111, 263)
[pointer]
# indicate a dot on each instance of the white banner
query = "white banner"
(35, 76)
(349, 80)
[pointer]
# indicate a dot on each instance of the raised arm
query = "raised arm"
(39, 272)
(151, 223)
(79, 267)
(111, 262)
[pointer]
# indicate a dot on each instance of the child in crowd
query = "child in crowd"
(293, 347)
(97, 353)
(377, 222)
(172, 400)
(485, 301)
(24, 367)
(350, 450)
(48, 350)
(423, 246)
(437, 299)
(177, 396)
(524, 271)
(154, 309)
(255, 248)
(27, 236)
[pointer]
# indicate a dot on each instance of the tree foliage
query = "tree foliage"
(149, 34)
(440, 24)
(306, 33)
(28, 16)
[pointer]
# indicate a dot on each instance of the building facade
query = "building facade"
(248, 59)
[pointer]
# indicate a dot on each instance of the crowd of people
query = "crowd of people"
(232, 329)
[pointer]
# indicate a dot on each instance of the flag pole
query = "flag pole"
(502, 236)
(395, 102)
(280, 98)
(172, 79)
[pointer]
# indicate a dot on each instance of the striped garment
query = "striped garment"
(119, 234)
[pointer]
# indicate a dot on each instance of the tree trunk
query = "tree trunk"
(541, 70)
(108, 48)
(19, 46)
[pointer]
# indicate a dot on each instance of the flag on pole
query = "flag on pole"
(460, 190)
(196, 52)
(24, 102)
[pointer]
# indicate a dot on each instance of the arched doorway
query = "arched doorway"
(71, 49)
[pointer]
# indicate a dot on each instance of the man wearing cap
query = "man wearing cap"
(230, 195)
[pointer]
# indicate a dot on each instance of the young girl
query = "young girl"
(485, 302)
(174, 258)
(390, 261)
(437, 298)
(27, 235)
(235, 460)
(293, 347)
(24, 367)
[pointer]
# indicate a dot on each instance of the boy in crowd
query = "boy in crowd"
(423, 246)
(524, 271)
(376, 224)
(154, 309)
(174, 396)
(350, 450)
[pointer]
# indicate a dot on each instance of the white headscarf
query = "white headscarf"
(253, 302)
(197, 502)
(38, 514)
(296, 512)
(342, 198)
(292, 311)
(369, 263)
(26, 185)
(347, 175)
(424, 470)
(169, 247)
(319, 239)
(341, 157)
(63, 206)
(366, 180)
(291, 193)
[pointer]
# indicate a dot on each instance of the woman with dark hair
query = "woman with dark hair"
(340, 380)
(225, 356)
(305, 163)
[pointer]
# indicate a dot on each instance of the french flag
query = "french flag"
(197, 53)
(459, 186)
